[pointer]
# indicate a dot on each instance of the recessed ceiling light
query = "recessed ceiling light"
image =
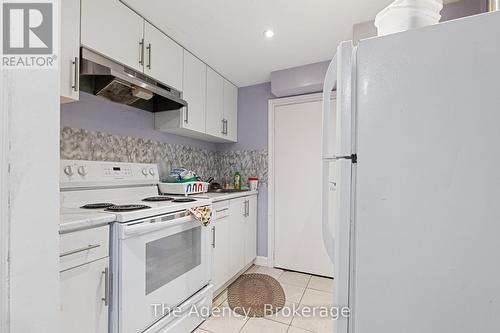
(269, 33)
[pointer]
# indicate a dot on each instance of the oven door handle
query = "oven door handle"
(143, 228)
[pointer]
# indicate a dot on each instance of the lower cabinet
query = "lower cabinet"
(84, 303)
(234, 238)
(251, 229)
(237, 235)
(220, 253)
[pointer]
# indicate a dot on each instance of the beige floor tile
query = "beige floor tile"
(224, 320)
(314, 323)
(261, 325)
(199, 330)
(220, 298)
(293, 294)
(274, 272)
(294, 278)
(284, 315)
(313, 297)
(320, 283)
(292, 329)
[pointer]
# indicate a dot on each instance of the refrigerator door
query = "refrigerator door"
(427, 215)
(344, 179)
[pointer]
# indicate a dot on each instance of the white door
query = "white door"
(112, 29)
(221, 252)
(83, 290)
(237, 235)
(163, 59)
(194, 92)
(70, 50)
(215, 103)
(298, 239)
(231, 111)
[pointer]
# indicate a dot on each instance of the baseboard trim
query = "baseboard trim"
(262, 261)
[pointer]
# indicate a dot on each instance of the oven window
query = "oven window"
(170, 257)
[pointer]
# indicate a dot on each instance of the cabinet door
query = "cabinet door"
(83, 288)
(251, 229)
(237, 235)
(163, 58)
(215, 103)
(194, 92)
(112, 29)
(221, 252)
(70, 50)
(231, 111)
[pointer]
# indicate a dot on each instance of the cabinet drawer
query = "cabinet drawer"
(220, 209)
(81, 247)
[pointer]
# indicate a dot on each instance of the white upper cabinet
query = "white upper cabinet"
(163, 58)
(112, 29)
(194, 93)
(215, 103)
(70, 50)
(230, 111)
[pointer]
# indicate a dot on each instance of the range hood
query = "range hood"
(106, 78)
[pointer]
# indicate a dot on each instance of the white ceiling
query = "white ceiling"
(228, 34)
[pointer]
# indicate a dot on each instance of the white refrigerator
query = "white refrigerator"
(415, 236)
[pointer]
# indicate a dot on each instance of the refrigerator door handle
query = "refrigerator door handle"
(327, 187)
(328, 134)
(328, 137)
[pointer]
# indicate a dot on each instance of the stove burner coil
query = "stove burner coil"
(184, 200)
(126, 208)
(159, 198)
(98, 205)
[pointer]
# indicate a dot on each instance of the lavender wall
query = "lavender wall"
(98, 114)
(463, 8)
(299, 80)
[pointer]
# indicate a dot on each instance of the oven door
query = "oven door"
(163, 261)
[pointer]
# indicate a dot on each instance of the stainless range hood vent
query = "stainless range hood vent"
(103, 77)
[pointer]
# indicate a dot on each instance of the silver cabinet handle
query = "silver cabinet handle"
(74, 86)
(89, 247)
(149, 55)
(186, 115)
(105, 299)
(213, 237)
(224, 126)
(141, 52)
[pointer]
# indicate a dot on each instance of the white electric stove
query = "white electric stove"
(160, 255)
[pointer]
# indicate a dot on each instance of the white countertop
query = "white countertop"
(72, 219)
(225, 196)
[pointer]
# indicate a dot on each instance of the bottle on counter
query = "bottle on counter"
(237, 180)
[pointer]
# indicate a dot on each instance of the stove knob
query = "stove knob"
(145, 172)
(152, 172)
(68, 170)
(82, 171)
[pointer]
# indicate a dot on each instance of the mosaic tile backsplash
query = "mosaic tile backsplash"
(81, 144)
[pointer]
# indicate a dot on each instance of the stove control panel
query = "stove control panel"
(78, 174)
